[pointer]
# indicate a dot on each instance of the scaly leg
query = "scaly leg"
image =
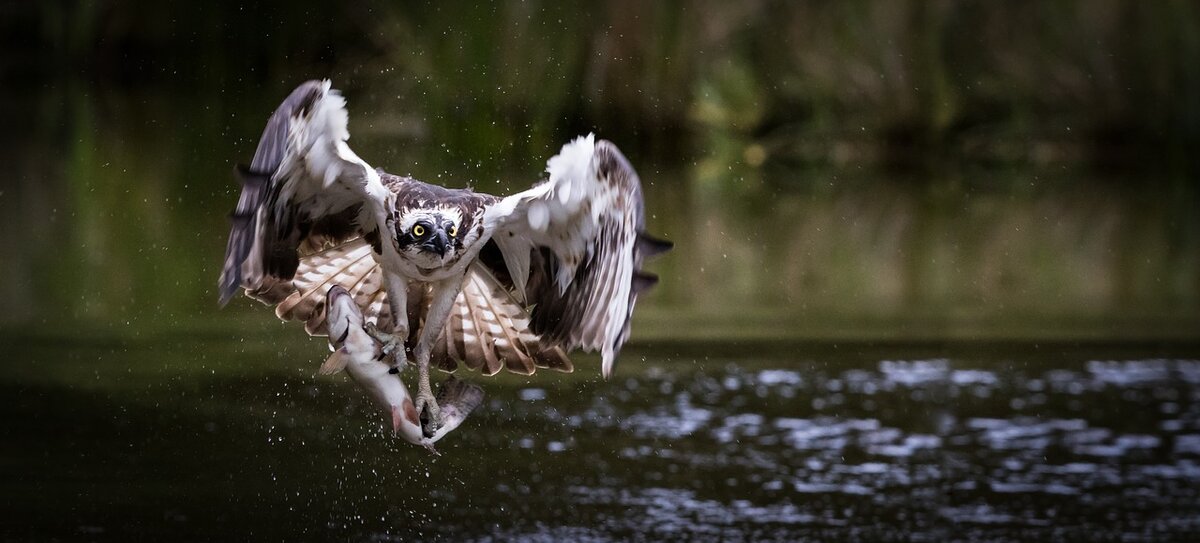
(393, 342)
(444, 293)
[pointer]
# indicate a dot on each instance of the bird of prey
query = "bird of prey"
(442, 275)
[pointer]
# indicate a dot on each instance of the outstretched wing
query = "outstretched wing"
(304, 188)
(573, 247)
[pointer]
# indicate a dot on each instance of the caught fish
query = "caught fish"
(457, 398)
(361, 356)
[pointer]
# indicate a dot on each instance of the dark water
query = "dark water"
(985, 353)
(194, 436)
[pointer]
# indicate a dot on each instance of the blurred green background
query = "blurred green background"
(827, 169)
(899, 226)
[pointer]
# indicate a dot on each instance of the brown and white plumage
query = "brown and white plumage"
(497, 283)
(574, 247)
(303, 186)
(484, 300)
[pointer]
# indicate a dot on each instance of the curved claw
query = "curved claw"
(392, 347)
(382, 337)
(431, 413)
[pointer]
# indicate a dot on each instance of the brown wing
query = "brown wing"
(488, 330)
(351, 265)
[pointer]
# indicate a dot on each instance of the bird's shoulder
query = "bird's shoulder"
(414, 193)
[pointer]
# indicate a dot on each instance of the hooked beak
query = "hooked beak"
(437, 243)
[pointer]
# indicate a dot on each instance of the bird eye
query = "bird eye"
(453, 230)
(418, 230)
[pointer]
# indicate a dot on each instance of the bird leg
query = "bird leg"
(444, 294)
(393, 348)
(429, 412)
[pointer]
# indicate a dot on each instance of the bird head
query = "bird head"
(430, 238)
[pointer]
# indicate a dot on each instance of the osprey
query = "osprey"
(442, 275)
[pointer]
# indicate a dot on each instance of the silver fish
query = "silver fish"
(361, 356)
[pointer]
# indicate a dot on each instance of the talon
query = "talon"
(430, 412)
(382, 337)
(391, 347)
(394, 353)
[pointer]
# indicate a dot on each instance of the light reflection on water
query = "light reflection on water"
(197, 436)
(897, 446)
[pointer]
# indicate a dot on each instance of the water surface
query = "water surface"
(833, 353)
(191, 435)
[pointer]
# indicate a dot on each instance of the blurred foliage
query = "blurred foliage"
(901, 81)
(760, 130)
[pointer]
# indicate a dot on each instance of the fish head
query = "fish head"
(342, 315)
(357, 352)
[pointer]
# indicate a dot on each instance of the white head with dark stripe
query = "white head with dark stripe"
(429, 237)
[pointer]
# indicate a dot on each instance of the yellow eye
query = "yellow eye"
(418, 230)
(454, 230)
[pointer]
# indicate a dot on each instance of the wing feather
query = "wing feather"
(484, 338)
(472, 340)
(456, 332)
(574, 245)
(499, 316)
(347, 265)
(484, 304)
(304, 187)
